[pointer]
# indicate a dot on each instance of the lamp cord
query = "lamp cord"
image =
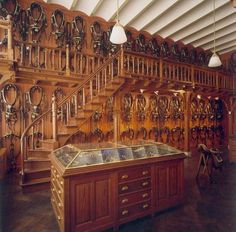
(117, 10)
(214, 5)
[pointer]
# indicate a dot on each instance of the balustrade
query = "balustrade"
(72, 107)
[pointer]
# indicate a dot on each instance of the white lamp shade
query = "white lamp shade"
(214, 61)
(118, 35)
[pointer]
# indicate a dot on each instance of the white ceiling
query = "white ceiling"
(190, 21)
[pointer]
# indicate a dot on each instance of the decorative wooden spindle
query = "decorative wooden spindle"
(54, 118)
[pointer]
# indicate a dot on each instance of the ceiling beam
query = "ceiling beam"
(121, 6)
(219, 33)
(131, 9)
(233, 48)
(226, 45)
(86, 6)
(219, 41)
(156, 9)
(201, 34)
(190, 17)
(172, 14)
(221, 13)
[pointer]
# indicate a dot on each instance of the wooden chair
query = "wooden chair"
(209, 158)
(205, 158)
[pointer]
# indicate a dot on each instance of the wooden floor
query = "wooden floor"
(207, 208)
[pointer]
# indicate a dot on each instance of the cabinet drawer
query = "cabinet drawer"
(134, 198)
(135, 186)
(135, 209)
(134, 174)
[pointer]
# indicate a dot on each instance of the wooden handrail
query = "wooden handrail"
(66, 99)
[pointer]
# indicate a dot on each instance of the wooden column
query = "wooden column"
(9, 42)
(54, 118)
(187, 119)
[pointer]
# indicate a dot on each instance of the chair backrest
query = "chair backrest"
(202, 148)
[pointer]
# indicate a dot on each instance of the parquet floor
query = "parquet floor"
(207, 208)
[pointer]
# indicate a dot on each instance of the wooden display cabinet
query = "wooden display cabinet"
(99, 188)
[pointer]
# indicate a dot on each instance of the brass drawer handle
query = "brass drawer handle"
(124, 177)
(124, 188)
(145, 183)
(124, 212)
(145, 206)
(125, 200)
(145, 195)
(145, 173)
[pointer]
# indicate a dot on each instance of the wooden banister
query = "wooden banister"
(53, 109)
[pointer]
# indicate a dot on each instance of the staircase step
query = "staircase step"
(50, 144)
(71, 126)
(39, 153)
(39, 173)
(36, 184)
(33, 163)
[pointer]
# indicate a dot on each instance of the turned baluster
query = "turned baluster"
(9, 42)
(22, 54)
(53, 59)
(76, 104)
(54, 118)
(83, 97)
(91, 89)
(67, 60)
(46, 58)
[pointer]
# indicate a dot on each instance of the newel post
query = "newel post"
(67, 60)
(122, 71)
(54, 118)
(9, 42)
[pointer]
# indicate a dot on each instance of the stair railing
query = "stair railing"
(6, 51)
(68, 108)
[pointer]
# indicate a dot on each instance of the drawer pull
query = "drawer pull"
(124, 177)
(145, 195)
(145, 173)
(145, 206)
(125, 200)
(125, 212)
(124, 188)
(145, 183)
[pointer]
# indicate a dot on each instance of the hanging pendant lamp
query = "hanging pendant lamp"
(118, 35)
(215, 59)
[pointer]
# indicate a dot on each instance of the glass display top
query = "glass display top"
(80, 155)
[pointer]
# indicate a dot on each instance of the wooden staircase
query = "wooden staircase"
(96, 89)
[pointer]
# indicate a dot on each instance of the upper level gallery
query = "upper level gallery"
(53, 42)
